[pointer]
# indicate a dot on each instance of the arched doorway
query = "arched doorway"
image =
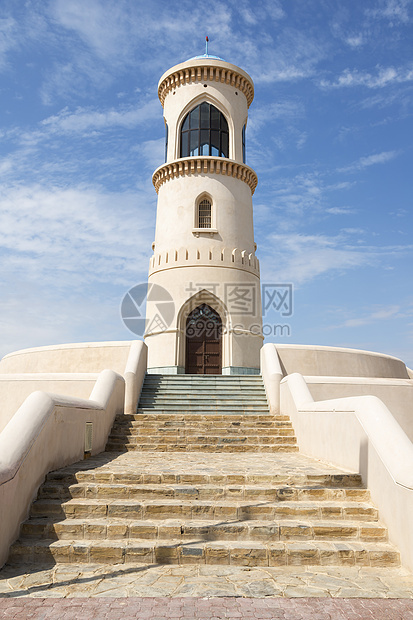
(203, 342)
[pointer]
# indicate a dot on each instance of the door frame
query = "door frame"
(205, 341)
(203, 297)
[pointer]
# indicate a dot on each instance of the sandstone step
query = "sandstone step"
(204, 447)
(57, 490)
(300, 480)
(239, 553)
(189, 432)
(148, 421)
(190, 439)
(208, 418)
(281, 530)
(203, 509)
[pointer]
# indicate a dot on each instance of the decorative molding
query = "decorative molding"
(206, 73)
(194, 256)
(202, 231)
(204, 165)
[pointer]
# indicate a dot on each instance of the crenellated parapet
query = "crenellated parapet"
(205, 257)
(204, 165)
(213, 72)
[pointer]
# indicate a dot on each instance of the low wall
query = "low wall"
(89, 357)
(15, 388)
(70, 370)
(338, 362)
(396, 394)
(359, 434)
(48, 432)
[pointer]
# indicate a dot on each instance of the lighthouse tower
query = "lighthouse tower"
(204, 251)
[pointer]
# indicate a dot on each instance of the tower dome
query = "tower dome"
(204, 249)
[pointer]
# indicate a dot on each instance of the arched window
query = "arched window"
(204, 214)
(244, 153)
(204, 132)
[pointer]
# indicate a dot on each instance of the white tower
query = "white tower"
(204, 249)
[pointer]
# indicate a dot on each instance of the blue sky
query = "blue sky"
(329, 135)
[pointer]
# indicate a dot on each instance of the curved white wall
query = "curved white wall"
(338, 362)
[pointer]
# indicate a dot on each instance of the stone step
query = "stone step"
(261, 411)
(192, 431)
(191, 439)
(242, 553)
(208, 397)
(202, 509)
(236, 391)
(116, 476)
(203, 409)
(147, 421)
(208, 418)
(202, 447)
(111, 529)
(153, 378)
(93, 490)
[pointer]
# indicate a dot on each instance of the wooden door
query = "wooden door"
(203, 342)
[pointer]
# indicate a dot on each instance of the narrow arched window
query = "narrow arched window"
(204, 132)
(244, 152)
(204, 214)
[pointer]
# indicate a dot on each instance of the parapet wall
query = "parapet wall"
(338, 362)
(89, 357)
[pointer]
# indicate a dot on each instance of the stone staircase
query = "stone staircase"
(226, 492)
(209, 413)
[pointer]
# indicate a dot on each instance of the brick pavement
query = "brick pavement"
(154, 608)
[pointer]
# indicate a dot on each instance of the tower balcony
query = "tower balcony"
(193, 166)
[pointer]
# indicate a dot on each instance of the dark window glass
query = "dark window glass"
(195, 118)
(205, 115)
(204, 132)
(224, 124)
(215, 147)
(194, 143)
(224, 144)
(215, 117)
(204, 142)
(185, 144)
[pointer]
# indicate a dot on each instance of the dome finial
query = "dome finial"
(206, 45)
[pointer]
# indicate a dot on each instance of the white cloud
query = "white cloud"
(299, 258)
(341, 211)
(392, 10)
(380, 314)
(384, 76)
(370, 160)
(355, 41)
(85, 120)
(8, 28)
(67, 237)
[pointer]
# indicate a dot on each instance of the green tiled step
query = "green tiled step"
(341, 553)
